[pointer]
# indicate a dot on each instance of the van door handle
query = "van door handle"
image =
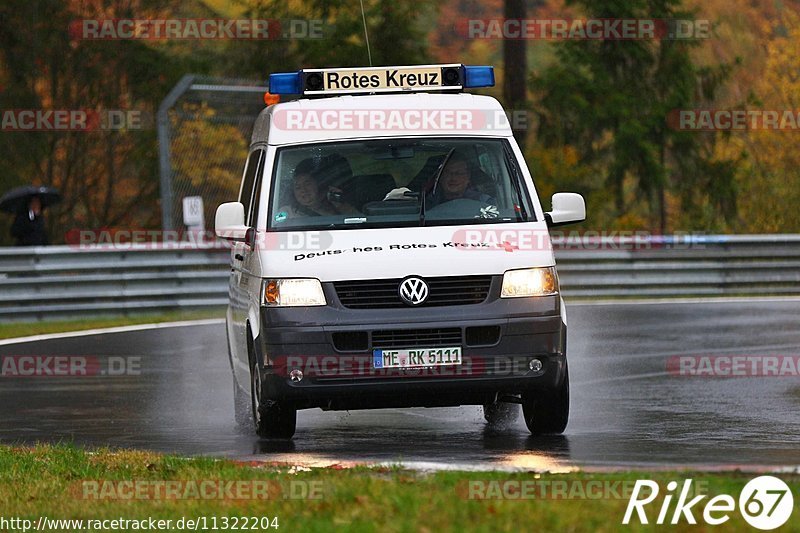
(240, 257)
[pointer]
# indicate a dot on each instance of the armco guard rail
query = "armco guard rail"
(65, 281)
(711, 265)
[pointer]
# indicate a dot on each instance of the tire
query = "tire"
(241, 402)
(500, 413)
(547, 412)
(272, 419)
(241, 407)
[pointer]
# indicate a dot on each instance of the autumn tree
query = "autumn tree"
(107, 176)
(770, 182)
(609, 101)
(397, 35)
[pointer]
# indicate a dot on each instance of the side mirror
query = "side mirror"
(229, 222)
(568, 208)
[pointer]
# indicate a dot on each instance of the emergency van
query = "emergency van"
(388, 249)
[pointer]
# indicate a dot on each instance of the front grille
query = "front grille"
(382, 293)
(416, 338)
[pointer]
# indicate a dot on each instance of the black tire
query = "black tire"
(241, 407)
(500, 413)
(547, 412)
(272, 419)
(241, 401)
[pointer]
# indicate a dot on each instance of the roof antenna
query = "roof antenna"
(366, 35)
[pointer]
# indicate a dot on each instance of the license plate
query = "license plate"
(416, 357)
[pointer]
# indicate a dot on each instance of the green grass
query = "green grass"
(49, 480)
(23, 329)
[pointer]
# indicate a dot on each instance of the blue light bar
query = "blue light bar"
(475, 76)
(285, 83)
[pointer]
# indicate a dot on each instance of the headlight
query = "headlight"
(293, 292)
(529, 282)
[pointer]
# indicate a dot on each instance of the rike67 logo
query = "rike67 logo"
(765, 503)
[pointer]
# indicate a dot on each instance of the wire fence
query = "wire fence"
(204, 128)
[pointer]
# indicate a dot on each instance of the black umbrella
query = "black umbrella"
(17, 199)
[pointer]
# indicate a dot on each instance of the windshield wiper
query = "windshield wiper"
(435, 184)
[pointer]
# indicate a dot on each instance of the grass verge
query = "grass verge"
(65, 482)
(24, 329)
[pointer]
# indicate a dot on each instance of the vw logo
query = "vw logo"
(413, 291)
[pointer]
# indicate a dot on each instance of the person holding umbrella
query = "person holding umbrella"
(27, 204)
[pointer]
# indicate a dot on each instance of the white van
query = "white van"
(389, 250)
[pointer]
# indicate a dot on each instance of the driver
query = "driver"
(456, 183)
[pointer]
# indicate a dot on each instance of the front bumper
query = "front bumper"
(342, 377)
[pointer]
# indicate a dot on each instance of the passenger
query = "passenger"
(311, 197)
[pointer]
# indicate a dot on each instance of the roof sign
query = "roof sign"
(367, 80)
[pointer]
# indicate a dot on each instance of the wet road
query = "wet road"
(627, 410)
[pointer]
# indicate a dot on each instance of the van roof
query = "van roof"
(376, 116)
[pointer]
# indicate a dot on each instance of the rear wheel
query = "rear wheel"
(241, 406)
(273, 419)
(547, 412)
(241, 401)
(500, 413)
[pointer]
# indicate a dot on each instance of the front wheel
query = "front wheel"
(273, 419)
(500, 413)
(547, 412)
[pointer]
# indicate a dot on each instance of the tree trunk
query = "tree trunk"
(662, 208)
(515, 65)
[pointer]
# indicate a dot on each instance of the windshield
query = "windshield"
(395, 183)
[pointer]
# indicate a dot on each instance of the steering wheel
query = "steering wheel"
(460, 208)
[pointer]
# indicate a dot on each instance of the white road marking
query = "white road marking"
(117, 329)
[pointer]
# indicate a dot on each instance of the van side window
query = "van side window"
(255, 163)
(251, 217)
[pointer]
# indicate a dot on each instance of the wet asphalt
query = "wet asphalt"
(627, 409)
